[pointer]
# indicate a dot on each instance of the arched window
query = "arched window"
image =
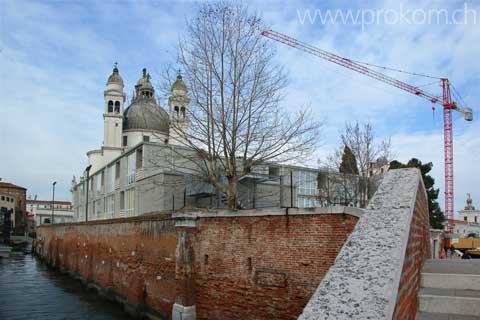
(110, 106)
(176, 111)
(183, 112)
(117, 106)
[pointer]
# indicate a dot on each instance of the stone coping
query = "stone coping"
(364, 280)
(150, 217)
(353, 211)
(195, 213)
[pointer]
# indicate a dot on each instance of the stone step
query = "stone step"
(471, 266)
(450, 281)
(449, 301)
(443, 316)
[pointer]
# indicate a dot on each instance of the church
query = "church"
(144, 168)
(143, 120)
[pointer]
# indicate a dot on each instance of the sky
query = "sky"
(56, 55)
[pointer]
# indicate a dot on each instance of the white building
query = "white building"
(42, 211)
(143, 121)
(143, 168)
(469, 214)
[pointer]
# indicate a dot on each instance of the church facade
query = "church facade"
(143, 168)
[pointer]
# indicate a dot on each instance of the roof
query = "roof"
(115, 77)
(145, 114)
(464, 222)
(179, 84)
(29, 201)
(10, 185)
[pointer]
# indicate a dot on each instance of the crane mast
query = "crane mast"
(445, 100)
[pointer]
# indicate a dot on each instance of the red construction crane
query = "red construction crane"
(445, 100)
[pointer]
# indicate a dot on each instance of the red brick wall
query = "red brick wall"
(135, 257)
(418, 250)
(264, 267)
(230, 267)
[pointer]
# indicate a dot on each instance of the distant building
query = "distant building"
(469, 219)
(41, 210)
(469, 213)
(7, 214)
(19, 194)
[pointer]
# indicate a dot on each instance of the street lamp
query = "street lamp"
(86, 196)
(53, 199)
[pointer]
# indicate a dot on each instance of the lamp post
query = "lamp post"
(86, 196)
(53, 200)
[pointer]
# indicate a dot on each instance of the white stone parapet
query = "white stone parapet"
(364, 280)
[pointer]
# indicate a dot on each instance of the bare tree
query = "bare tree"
(236, 121)
(360, 139)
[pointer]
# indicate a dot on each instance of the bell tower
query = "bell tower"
(178, 105)
(113, 115)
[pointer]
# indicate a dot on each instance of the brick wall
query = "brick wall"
(264, 267)
(134, 258)
(233, 265)
(417, 251)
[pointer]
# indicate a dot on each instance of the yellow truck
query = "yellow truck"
(466, 243)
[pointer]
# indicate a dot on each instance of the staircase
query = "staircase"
(5, 251)
(450, 290)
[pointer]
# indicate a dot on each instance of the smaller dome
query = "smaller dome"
(144, 81)
(115, 77)
(179, 84)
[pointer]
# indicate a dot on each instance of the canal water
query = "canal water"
(31, 291)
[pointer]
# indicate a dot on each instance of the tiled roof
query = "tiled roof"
(10, 185)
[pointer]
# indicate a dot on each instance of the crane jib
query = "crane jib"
(445, 100)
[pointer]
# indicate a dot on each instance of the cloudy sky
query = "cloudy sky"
(55, 57)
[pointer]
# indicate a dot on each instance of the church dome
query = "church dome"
(144, 81)
(115, 77)
(145, 114)
(179, 85)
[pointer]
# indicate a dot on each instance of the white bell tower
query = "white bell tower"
(113, 115)
(178, 104)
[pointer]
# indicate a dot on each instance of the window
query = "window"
(98, 183)
(139, 160)
(130, 202)
(273, 171)
(131, 167)
(3, 198)
(183, 112)
(475, 219)
(110, 179)
(465, 219)
(122, 200)
(117, 106)
(146, 138)
(125, 140)
(176, 111)
(117, 170)
(306, 182)
(110, 206)
(110, 106)
(102, 178)
(98, 208)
